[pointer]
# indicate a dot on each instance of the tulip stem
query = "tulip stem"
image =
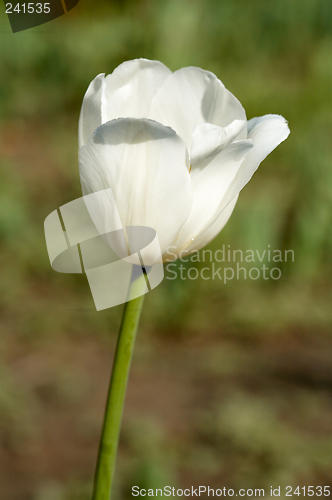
(117, 390)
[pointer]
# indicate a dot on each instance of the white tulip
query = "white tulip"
(175, 148)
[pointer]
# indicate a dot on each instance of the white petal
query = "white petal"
(91, 110)
(266, 133)
(130, 88)
(210, 182)
(192, 96)
(213, 229)
(208, 139)
(145, 165)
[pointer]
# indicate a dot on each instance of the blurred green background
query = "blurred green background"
(231, 383)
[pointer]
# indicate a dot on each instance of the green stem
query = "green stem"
(117, 391)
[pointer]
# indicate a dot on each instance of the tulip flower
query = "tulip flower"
(175, 148)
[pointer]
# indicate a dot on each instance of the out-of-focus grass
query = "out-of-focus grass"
(259, 389)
